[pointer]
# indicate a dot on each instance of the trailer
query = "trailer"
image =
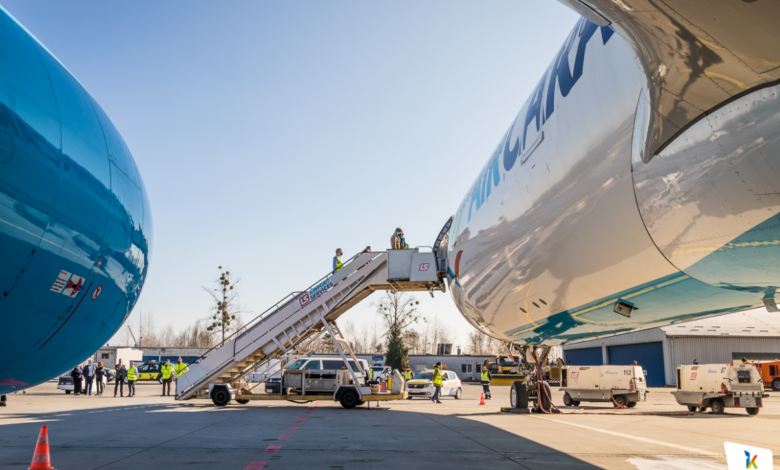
(720, 386)
(303, 320)
(622, 385)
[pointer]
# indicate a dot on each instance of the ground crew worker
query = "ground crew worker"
(437, 380)
(167, 373)
(397, 241)
(180, 368)
(337, 264)
(408, 375)
(132, 376)
(485, 379)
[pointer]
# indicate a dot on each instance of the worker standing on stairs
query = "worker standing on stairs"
(337, 264)
(180, 368)
(397, 241)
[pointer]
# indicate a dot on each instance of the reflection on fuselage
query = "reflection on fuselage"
(75, 224)
(570, 215)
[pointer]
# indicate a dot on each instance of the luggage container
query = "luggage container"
(625, 385)
(720, 386)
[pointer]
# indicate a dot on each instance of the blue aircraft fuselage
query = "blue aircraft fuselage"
(75, 222)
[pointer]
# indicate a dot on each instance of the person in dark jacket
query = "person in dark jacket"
(89, 377)
(76, 374)
(100, 372)
(119, 378)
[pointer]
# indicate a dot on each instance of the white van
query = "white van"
(601, 383)
(720, 386)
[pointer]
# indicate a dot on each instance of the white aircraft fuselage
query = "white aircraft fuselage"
(641, 175)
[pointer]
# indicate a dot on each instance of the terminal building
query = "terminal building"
(753, 334)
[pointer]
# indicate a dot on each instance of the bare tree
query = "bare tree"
(414, 341)
(398, 310)
(436, 332)
(227, 308)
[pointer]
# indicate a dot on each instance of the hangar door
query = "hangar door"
(584, 357)
(648, 355)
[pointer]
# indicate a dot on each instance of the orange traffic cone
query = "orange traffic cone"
(481, 399)
(41, 458)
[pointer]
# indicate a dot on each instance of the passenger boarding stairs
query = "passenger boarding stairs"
(301, 320)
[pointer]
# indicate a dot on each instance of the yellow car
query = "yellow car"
(150, 371)
(422, 386)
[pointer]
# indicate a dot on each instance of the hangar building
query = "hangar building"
(754, 334)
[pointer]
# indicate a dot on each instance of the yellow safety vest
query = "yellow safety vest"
(167, 370)
(180, 369)
(438, 379)
(131, 373)
(485, 378)
(338, 263)
(370, 374)
(408, 375)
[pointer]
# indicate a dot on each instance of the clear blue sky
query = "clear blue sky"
(270, 133)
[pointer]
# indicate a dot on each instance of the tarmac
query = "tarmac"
(153, 432)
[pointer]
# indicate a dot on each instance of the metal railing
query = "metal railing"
(283, 302)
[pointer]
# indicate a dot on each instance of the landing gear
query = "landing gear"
(518, 395)
(543, 401)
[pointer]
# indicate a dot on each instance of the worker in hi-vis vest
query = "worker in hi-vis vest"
(485, 379)
(132, 376)
(337, 264)
(167, 376)
(437, 380)
(180, 368)
(408, 375)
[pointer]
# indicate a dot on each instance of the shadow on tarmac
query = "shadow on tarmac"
(200, 435)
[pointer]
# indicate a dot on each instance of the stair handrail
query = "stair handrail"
(275, 307)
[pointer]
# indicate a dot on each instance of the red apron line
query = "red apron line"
(299, 421)
(284, 437)
(255, 466)
(304, 416)
(273, 448)
(292, 428)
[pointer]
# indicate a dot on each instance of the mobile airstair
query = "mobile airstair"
(303, 320)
